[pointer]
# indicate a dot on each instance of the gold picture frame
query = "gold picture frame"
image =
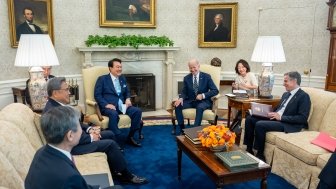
(222, 34)
(42, 18)
(130, 14)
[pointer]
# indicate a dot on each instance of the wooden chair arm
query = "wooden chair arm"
(95, 105)
(215, 101)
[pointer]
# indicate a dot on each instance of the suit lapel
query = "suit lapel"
(201, 81)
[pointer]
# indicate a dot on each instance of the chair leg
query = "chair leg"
(216, 119)
(140, 130)
(189, 122)
(174, 126)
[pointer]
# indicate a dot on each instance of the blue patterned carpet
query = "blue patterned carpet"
(157, 161)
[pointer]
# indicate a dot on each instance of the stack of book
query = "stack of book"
(237, 160)
(192, 134)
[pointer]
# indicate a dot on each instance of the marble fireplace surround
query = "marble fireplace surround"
(156, 60)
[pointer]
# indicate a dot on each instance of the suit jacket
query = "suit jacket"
(25, 29)
(296, 112)
(327, 175)
(85, 138)
(221, 34)
(52, 169)
(105, 93)
(205, 85)
(27, 94)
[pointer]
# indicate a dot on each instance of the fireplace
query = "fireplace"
(142, 89)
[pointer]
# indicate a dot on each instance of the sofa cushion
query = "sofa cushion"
(271, 136)
(37, 121)
(16, 147)
(9, 176)
(299, 146)
(93, 163)
(320, 100)
(328, 124)
(322, 160)
(22, 117)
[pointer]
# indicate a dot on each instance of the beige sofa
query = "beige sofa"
(292, 156)
(20, 137)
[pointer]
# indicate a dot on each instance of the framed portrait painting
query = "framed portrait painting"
(218, 25)
(30, 17)
(127, 13)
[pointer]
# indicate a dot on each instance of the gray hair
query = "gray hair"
(56, 122)
(54, 84)
(220, 15)
(294, 75)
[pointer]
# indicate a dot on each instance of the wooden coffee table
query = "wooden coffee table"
(208, 162)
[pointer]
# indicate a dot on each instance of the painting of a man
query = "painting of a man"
(28, 27)
(218, 32)
(128, 10)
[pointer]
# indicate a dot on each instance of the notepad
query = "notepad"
(325, 141)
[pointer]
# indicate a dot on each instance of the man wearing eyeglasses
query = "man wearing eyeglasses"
(92, 138)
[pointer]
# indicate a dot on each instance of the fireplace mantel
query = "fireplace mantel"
(101, 54)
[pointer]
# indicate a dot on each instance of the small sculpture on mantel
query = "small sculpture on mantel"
(216, 62)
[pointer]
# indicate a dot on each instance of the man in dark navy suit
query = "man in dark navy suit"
(290, 115)
(53, 166)
(92, 139)
(112, 94)
(327, 175)
(198, 88)
(27, 27)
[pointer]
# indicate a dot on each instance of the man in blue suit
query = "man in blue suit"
(290, 115)
(53, 166)
(198, 88)
(111, 93)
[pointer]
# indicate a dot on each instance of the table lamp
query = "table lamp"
(36, 50)
(268, 50)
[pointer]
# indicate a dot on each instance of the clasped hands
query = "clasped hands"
(112, 107)
(95, 133)
(274, 116)
(180, 100)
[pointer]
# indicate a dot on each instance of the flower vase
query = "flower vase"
(218, 148)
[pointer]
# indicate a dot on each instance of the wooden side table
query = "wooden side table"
(245, 104)
(19, 93)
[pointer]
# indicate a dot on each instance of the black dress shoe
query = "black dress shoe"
(133, 142)
(134, 180)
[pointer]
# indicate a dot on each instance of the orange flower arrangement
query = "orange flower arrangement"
(219, 135)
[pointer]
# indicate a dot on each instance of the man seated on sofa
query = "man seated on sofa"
(53, 162)
(289, 116)
(92, 140)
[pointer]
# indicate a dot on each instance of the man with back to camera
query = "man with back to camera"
(53, 166)
(92, 138)
(28, 27)
(290, 116)
(218, 33)
(198, 89)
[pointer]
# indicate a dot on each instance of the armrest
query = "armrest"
(215, 100)
(95, 105)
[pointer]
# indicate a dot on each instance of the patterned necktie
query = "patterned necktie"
(117, 86)
(118, 90)
(195, 86)
(286, 97)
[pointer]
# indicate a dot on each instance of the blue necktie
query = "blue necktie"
(118, 90)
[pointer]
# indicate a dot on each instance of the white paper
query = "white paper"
(230, 95)
(240, 91)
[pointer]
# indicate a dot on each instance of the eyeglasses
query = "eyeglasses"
(66, 89)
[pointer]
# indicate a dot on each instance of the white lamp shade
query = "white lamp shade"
(35, 50)
(268, 49)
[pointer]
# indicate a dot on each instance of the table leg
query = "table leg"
(263, 183)
(179, 161)
(229, 115)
